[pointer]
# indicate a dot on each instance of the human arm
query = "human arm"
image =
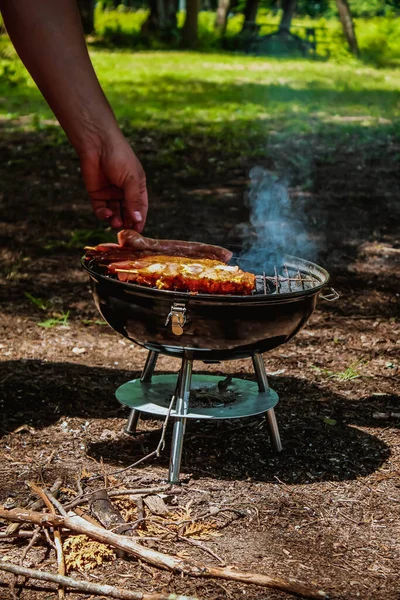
(49, 40)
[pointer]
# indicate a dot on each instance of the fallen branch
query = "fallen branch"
(88, 588)
(36, 505)
(57, 535)
(107, 513)
(158, 559)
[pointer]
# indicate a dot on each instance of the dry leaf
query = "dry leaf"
(85, 554)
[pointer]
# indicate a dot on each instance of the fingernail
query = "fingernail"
(137, 216)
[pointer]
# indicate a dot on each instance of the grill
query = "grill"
(210, 328)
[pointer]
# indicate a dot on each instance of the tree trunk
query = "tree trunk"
(86, 9)
(250, 15)
(162, 16)
(189, 32)
(222, 15)
(288, 8)
(348, 25)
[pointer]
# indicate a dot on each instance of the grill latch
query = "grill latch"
(177, 316)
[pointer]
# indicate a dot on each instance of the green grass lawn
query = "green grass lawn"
(237, 100)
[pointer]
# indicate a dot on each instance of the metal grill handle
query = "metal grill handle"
(331, 296)
(177, 316)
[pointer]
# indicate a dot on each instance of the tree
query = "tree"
(288, 8)
(189, 31)
(348, 26)
(162, 17)
(86, 9)
(222, 15)
(250, 14)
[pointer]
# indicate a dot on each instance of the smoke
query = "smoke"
(277, 224)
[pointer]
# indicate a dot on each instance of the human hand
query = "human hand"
(116, 183)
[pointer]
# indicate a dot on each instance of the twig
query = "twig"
(57, 504)
(83, 499)
(57, 536)
(201, 546)
(86, 587)
(18, 534)
(158, 559)
(36, 535)
(36, 505)
(88, 518)
(157, 451)
(48, 539)
(140, 513)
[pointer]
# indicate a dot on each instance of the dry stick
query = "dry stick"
(36, 535)
(86, 587)
(192, 542)
(57, 536)
(134, 492)
(13, 527)
(57, 504)
(18, 534)
(158, 559)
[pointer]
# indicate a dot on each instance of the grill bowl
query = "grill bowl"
(217, 327)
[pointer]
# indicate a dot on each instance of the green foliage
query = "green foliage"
(93, 322)
(11, 70)
(348, 374)
(39, 302)
(379, 41)
(55, 318)
(378, 37)
(58, 321)
(79, 238)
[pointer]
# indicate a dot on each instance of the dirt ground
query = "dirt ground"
(326, 510)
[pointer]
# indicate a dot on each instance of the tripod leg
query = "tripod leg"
(149, 366)
(182, 405)
(132, 421)
(146, 376)
(263, 386)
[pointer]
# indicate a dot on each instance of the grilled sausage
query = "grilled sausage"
(133, 239)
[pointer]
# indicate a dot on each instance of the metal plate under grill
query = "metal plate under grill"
(154, 397)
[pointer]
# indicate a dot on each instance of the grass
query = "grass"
(58, 321)
(55, 319)
(348, 374)
(233, 98)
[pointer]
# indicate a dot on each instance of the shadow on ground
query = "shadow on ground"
(320, 429)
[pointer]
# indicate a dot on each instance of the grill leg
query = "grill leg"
(182, 405)
(132, 421)
(149, 366)
(146, 376)
(263, 386)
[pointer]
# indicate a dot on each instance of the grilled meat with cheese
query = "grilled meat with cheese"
(179, 273)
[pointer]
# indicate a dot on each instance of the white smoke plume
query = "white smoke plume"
(277, 224)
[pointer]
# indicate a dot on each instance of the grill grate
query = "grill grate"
(285, 280)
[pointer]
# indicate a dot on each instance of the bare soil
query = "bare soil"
(325, 510)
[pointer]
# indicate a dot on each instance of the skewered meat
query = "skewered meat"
(185, 274)
(128, 238)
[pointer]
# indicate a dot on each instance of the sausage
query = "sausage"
(133, 239)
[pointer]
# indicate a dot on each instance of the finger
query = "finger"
(139, 226)
(116, 222)
(117, 219)
(106, 193)
(135, 202)
(101, 210)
